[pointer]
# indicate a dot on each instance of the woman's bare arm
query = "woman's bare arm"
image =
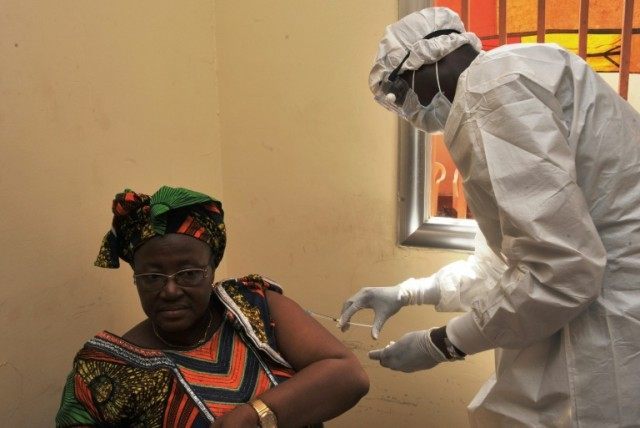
(329, 379)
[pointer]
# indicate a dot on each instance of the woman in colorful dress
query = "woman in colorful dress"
(231, 354)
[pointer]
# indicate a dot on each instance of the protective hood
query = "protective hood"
(407, 36)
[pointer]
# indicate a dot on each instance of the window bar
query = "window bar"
(541, 21)
(583, 29)
(625, 52)
(502, 22)
(464, 13)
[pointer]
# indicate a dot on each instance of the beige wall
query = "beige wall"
(95, 96)
(310, 185)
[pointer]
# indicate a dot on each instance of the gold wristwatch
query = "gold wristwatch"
(267, 417)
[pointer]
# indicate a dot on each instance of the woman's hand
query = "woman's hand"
(241, 417)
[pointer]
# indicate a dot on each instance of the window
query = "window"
(432, 211)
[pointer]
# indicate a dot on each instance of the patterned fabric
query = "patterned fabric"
(116, 383)
(247, 293)
(138, 217)
(226, 372)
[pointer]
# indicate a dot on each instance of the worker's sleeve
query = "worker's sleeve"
(521, 158)
(462, 282)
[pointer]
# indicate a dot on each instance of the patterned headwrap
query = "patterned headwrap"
(138, 218)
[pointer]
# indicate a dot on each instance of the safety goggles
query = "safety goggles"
(399, 97)
(394, 90)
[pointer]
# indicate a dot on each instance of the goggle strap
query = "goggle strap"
(396, 71)
(438, 77)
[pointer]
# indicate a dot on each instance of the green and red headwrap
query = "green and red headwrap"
(138, 218)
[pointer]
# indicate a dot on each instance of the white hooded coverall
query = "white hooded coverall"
(550, 157)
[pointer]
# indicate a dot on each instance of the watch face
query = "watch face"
(268, 420)
(267, 417)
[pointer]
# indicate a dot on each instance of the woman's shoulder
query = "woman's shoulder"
(113, 349)
(247, 307)
(110, 382)
(246, 301)
(252, 283)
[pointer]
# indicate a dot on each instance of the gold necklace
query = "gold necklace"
(194, 345)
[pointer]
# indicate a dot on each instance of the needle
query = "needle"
(357, 324)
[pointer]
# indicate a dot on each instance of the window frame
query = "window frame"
(416, 228)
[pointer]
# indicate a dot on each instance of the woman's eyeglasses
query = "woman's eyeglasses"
(156, 281)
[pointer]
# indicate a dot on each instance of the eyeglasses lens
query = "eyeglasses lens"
(184, 278)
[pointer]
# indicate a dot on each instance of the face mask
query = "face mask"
(431, 118)
(402, 99)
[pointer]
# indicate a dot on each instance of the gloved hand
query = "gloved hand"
(414, 351)
(387, 301)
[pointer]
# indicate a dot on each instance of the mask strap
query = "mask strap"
(438, 77)
(413, 79)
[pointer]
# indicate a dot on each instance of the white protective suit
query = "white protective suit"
(550, 157)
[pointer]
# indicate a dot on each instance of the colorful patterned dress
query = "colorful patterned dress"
(115, 383)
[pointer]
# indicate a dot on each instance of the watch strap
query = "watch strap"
(267, 417)
(454, 352)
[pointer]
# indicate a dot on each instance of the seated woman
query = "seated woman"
(235, 353)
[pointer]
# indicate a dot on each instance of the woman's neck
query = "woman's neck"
(198, 334)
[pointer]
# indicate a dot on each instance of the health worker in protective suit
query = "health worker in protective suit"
(550, 157)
